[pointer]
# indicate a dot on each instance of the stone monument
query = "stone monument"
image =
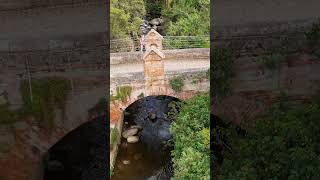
(153, 64)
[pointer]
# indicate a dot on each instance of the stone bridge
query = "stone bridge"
(65, 39)
(149, 74)
(84, 69)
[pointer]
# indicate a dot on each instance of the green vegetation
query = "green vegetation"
(154, 7)
(48, 95)
(186, 42)
(221, 72)
(123, 93)
(284, 144)
(114, 136)
(177, 83)
(200, 77)
(126, 17)
(181, 18)
(141, 95)
(271, 62)
(313, 36)
(187, 18)
(191, 131)
(111, 171)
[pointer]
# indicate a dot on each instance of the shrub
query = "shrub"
(177, 83)
(48, 94)
(123, 93)
(191, 132)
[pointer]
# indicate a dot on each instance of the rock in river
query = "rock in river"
(130, 132)
(126, 162)
(133, 139)
(136, 126)
(152, 115)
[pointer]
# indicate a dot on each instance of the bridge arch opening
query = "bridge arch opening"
(81, 154)
(150, 156)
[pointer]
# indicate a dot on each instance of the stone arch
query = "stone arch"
(75, 149)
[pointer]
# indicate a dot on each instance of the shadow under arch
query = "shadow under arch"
(81, 154)
(150, 157)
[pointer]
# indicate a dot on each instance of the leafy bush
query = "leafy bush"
(177, 83)
(285, 144)
(191, 131)
(187, 18)
(126, 17)
(123, 93)
(48, 94)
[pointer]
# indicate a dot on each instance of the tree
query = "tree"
(126, 17)
(187, 17)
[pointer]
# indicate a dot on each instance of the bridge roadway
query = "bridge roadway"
(181, 65)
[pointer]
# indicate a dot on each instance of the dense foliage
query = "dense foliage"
(182, 17)
(126, 17)
(191, 131)
(187, 17)
(177, 83)
(285, 144)
(221, 72)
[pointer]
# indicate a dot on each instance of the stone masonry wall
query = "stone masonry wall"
(136, 57)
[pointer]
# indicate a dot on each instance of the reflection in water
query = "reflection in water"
(148, 157)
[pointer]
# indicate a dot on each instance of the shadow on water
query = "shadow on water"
(150, 157)
(80, 155)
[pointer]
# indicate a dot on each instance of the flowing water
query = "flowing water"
(149, 156)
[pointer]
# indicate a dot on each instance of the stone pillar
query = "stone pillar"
(153, 65)
(153, 38)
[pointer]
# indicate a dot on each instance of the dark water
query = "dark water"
(148, 156)
(81, 155)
